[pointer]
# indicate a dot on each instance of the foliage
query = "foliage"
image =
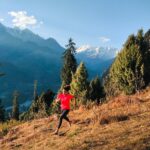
(41, 107)
(127, 71)
(15, 109)
(69, 63)
(146, 56)
(35, 95)
(80, 84)
(96, 90)
(2, 112)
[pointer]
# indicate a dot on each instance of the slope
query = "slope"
(122, 123)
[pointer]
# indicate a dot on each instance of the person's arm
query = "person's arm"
(57, 100)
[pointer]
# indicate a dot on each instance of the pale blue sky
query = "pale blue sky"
(92, 22)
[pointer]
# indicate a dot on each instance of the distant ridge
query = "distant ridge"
(26, 56)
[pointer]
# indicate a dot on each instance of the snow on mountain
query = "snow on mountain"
(103, 53)
(96, 59)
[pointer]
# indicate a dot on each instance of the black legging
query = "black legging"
(63, 116)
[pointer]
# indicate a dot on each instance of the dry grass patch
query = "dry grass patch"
(118, 109)
(121, 123)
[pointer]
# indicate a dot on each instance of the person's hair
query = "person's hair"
(67, 88)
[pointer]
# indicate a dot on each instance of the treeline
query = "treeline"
(77, 77)
(71, 74)
(14, 114)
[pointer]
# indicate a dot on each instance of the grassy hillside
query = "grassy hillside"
(122, 123)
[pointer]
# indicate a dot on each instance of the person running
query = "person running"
(64, 99)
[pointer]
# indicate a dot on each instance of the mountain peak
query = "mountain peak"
(97, 52)
(51, 39)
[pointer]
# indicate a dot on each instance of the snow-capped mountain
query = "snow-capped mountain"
(96, 59)
(103, 53)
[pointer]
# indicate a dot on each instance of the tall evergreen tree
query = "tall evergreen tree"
(2, 112)
(96, 90)
(35, 94)
(69, 63)
(127, 71)
(147, 57)
(79, 84)
(15, 109)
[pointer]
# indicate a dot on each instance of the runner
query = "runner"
(64, 98)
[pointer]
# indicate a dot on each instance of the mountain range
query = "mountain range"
(97, 59)
(26, 57)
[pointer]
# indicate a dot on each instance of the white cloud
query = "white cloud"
(38, 25)
(104, 39)
(1, 20)
(22, 20)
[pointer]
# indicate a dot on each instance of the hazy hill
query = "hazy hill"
(25, 57)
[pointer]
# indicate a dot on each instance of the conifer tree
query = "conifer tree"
(127, 71)
(147, 57)
(35, 94)
(95, 89)
(69, 63)
(80, 85)
(15, 109)
(2, 112)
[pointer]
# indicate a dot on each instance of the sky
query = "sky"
(89, 22)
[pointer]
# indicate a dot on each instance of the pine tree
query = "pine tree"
(35, 95)
(15, 109)
(110, 88)
(69, 63)
(126, 73)
(2, 112)
(80, 85)
(96, 90)
(146, 57)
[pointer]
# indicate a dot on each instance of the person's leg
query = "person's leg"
(60, 121)
(66, 118)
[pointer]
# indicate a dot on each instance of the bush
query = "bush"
(41, 107)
